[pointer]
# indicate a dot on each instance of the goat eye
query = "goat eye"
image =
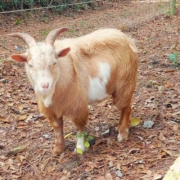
(54, 63)
(30, 65)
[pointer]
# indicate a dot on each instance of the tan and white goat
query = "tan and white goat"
(69, 74)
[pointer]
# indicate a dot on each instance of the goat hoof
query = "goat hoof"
(122, 136)
(57, 151)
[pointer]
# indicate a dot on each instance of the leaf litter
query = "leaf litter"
(148, 152)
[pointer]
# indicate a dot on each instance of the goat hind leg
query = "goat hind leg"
(124, 123)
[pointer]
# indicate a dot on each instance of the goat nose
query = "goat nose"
(44, 85)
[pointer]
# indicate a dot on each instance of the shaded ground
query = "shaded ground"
(147, 154)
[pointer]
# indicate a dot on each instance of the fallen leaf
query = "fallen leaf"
(47, 136)
(101, 178)
(149, 172)
(135, 121)
(10, 104)
(139, 161)
(50, 169)
(106, 133)
(68, 135)
(15, 176)
(162, 137)
(168, 85)
(20, 107)
(148, 124)
(118, 166)
(119, 173)
(23, 134)
(170, 153)
(133, 150)
(108, 176)
(22, 117)
(30, 116)
(64, 178)
(111, 164)
(16, 150)
(176, 127)
(96, 128)
(157, 176)
(158, 143)
(86, 144)
(21, 158)
(5, 120)
(79, 151)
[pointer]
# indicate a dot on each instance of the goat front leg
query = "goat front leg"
(80, 123)
(57, 124)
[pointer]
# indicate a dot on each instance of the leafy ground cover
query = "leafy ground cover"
(27, 138)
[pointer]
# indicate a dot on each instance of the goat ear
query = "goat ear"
(63, 52)
(19, 57)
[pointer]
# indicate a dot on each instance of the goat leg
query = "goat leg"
(57, 124)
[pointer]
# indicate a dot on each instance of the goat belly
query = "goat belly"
(97, 85)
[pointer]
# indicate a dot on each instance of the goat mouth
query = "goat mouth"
(44, 91)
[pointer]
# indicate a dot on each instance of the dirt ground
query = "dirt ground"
(148, 152)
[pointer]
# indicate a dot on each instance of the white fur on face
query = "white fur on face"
(97, 86)
(42, 61)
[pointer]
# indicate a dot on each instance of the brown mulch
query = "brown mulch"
(147, 154)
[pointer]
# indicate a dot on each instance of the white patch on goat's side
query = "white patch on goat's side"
(97, 86)
(80, 143)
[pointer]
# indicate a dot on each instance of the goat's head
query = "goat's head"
(41, 60)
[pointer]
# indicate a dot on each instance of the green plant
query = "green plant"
(87, 140)
(62, 7)
(45, 32)
(2, 60)
(126, 13)
(72, 31)
(18, 22)
(174, 58)
(164, 9)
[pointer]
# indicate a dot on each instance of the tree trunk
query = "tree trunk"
(172, 7)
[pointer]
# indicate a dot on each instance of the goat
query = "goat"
(69, 74)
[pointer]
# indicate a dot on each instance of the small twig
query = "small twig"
(36, 170)
(67, 135)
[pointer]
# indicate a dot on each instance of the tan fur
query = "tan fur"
(71, 92)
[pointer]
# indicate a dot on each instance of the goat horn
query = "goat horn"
(29, 40)
(51, 37)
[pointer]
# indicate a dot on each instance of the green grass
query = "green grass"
(2, 61)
